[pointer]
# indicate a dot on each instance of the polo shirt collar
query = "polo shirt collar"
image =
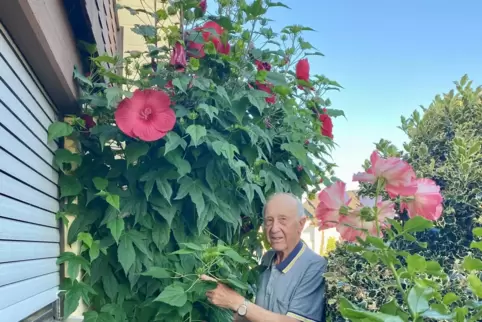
(290, 260)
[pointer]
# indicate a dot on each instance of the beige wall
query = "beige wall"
(132, 41)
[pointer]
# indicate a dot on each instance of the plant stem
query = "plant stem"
(377, 194)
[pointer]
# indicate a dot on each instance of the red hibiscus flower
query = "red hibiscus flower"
(178, 57)
(262, 65)
(89, 121)
(303, 70)
(146, 115)
(203, 5)
(267, 88)
(326, 125)
(197, 49)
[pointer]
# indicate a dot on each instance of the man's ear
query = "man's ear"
(302, 223)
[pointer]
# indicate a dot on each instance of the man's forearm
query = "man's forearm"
(258, 314)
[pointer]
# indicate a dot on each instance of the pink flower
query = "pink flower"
(267, 88)
(178, 57)
(146, 115)
(203, 5)
(332, 200)
(398, 174)
(197, 49)
(303, 70)
(426, 202)
(357, 225)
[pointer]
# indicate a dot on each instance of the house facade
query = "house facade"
(39, 47)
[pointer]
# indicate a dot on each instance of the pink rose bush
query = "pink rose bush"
(418, 196)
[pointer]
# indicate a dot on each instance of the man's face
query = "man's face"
(282, 224)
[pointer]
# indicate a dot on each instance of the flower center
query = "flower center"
(146, 113)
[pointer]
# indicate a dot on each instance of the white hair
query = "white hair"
(300, 210)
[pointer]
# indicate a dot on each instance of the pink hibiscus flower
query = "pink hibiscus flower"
(426, 202)
(332, 200)
(398, 174)
(355, 225)
(146, 115)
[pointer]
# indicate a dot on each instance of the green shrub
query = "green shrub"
(445, 145)
(152, 216)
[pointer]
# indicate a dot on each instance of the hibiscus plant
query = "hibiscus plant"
(165, 172)
(374, 224)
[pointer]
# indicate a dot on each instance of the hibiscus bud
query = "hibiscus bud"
(178, 57)
(88, 120)
(303, 70)
(307, 142)
(299, 168)
(203, 5)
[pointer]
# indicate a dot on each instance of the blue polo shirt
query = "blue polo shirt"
(296, 286)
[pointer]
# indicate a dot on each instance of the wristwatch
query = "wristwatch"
(243, 309)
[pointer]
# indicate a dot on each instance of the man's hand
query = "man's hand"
(223, 296)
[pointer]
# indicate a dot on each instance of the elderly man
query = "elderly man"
(292, 287)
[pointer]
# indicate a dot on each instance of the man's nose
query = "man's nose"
(275, 227)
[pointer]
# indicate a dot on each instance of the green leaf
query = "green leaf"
(69, 186)
(235, 256)
(416, 264)
(194, 189)
(192, 246)
(450, 298)
(288, 171)
(475, 285)
(116, 227)
(86, 238)
(236, 283)
(176, 158)
(417, 224)
(392, 308)
(277, 79)
(183, 252)
(434, 268)
(126, 253)
(352, 312)
(182, 83)
(418, 298)
(221, 91)
(297, 150)
(59, 129)
(477, 231)
(258, 100)
(335, 113)
(164, 188)
(225, 149)
(157, 272)
(113, 95)
(145, 30)
(249, 190)
(161, 234)
(74, 263)
(94, 250)
(100, 183)
(173, 295)
(113, 200)
(210, 110)
(92, 316)
(197, 132)
(476, 245)
(173, 140)
(135, 150)
(65, 156)
(81, 78)
(472, 264)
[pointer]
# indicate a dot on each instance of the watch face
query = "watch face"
(242, 310)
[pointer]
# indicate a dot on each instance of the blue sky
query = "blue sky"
(390, 57)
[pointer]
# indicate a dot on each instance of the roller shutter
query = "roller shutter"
(29, 234)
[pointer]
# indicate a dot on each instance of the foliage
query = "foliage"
(152, 216)
(445, 146)
(330, 246)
